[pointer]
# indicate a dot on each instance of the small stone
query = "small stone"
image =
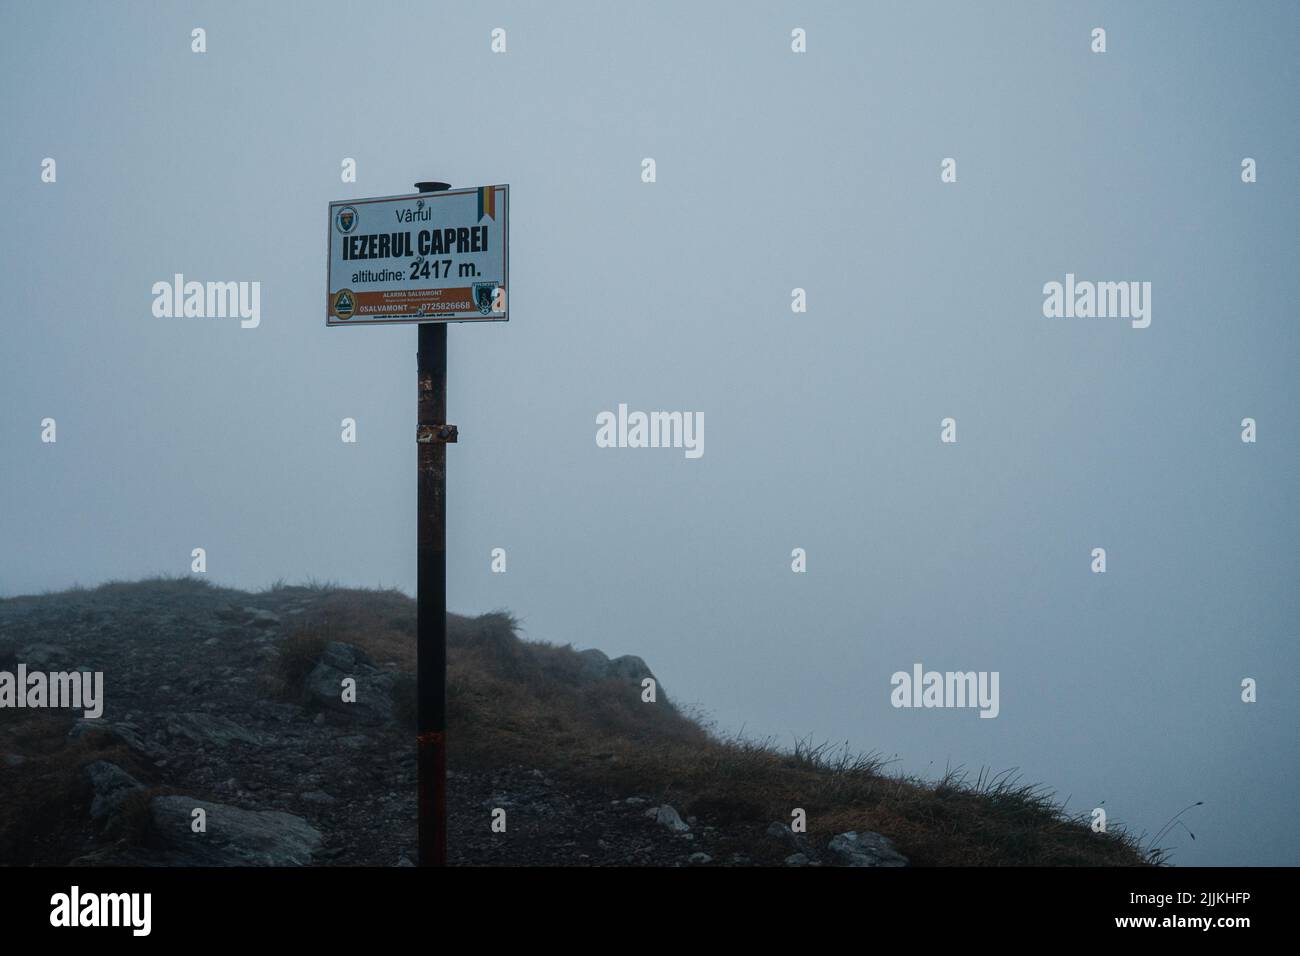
(667, 817)
(127, 733)
(208, 729)
(111, 785)
(794, 842)
(797, 859)
(700, 858)
(865, 848)
(235, 837)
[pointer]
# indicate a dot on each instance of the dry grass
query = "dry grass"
(516, 701)
(385, 620)
(47, 799)
(298, 655)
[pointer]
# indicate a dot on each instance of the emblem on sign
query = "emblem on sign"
(346, 220)
(344, 304)
(483, 292)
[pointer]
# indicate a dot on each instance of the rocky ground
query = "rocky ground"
(194, 719)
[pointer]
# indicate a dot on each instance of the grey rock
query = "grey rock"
(319, 796)
(797, 859)
(794, 842)
(594, 663)
(346, 657)
(234, 837)
(628, 667)
(865, 848)
(125, 731)
(207, 729)
(111, 785)
(780, 832)
(262, 617)
(700, 858)
(324, 685)
(667, 817)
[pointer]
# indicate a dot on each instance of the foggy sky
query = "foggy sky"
(775, 171)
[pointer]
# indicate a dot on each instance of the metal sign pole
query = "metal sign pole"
(456, 246)
(432, 436)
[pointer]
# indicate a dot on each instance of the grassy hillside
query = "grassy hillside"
(513, 700)
(572, 715)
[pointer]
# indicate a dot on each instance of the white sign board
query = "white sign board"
(430, 257)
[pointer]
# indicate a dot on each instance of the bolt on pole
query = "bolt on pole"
(432, 436)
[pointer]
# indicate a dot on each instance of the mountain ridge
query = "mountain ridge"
(228, 701)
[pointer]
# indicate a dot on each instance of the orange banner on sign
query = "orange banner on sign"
(348, 305)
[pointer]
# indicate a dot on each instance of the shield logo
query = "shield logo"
(344, 304)
(483, 292)
(346, 219)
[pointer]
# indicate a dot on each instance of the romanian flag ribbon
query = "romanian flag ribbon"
(487, 202)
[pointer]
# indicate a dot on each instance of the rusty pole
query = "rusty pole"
(432, 435)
